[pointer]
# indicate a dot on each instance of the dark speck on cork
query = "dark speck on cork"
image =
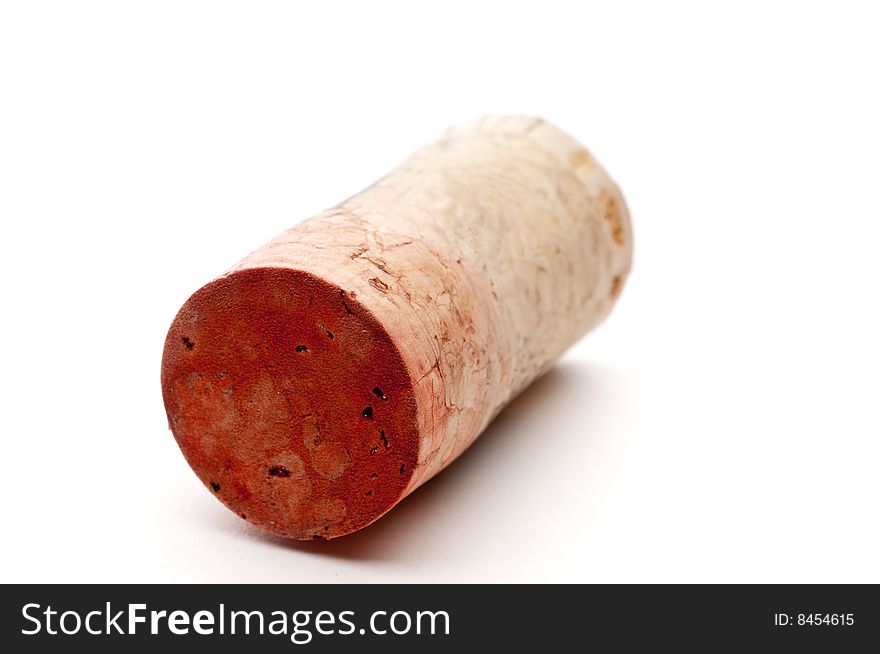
(612, 215)
(279, 471)
(616, 285)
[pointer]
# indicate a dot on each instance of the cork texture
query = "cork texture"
(450, 284)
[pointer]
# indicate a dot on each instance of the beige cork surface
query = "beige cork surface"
(448, 286)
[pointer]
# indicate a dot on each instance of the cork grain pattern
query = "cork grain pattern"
(456, 280)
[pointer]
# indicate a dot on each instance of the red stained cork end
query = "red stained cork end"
(290, 402)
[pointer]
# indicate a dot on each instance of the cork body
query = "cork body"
(448, 286)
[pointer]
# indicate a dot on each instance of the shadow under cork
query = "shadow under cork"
(482, 491)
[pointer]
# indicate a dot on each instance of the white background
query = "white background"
(721, 426)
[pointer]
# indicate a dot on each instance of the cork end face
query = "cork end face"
(290, 402)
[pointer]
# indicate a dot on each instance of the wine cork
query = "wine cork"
(340, 366)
